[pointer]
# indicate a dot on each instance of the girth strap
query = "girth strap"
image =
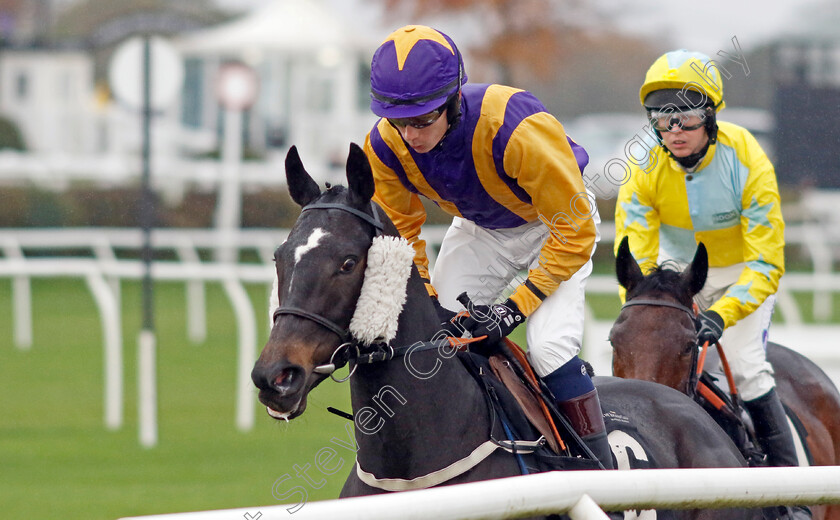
(432, 479)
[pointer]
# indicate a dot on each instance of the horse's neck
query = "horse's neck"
(408, 408)
(418, 320)
(413, 413)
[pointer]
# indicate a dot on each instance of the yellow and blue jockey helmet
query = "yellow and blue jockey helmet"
(415, 71)
(682, 79)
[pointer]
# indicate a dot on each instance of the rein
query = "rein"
(381, 352)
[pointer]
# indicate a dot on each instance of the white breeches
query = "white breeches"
(489, 263)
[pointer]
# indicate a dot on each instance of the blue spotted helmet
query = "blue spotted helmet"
(415, 71)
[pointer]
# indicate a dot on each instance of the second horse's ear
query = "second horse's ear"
(626, 268)
(694, 276)
(302, 187)
(359, 176)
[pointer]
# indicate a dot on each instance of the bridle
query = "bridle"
(349, 348)
(693, 375)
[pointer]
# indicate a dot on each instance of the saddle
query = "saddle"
(514, 390)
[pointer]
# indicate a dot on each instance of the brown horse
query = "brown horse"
(654, 339)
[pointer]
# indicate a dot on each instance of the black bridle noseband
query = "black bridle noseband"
(349, 348)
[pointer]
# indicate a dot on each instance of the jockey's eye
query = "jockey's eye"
(349, 264)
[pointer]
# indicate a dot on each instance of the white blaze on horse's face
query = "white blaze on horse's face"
(311, 243)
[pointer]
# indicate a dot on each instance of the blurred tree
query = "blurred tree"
(10, 136)
(101, 25)
(565, 51)
(519, 34)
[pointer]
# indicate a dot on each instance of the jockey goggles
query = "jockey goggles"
(418, 122)
(687, 120)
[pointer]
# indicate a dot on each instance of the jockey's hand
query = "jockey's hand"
(494, 321)
(709, 327)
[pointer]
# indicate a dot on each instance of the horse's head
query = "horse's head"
(654, 336)
(320, 271)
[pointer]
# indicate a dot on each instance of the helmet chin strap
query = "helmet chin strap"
(690, 161)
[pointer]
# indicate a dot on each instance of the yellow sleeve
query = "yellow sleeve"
(636, 217)
(541, 159)
(763, 229)
(403, 207)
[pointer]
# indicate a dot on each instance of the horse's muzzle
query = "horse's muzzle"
(281, 385)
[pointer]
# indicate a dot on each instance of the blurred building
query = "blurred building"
(807, 102)
(50, 96)
(314, 75)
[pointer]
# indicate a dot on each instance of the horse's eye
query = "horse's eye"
(348, 265)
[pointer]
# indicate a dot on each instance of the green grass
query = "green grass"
(57, 459)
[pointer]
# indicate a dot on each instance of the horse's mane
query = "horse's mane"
(663, 279)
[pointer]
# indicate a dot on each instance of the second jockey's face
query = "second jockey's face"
(683, 143)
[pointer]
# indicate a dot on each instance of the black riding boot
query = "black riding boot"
(776, 440)
(585, 416)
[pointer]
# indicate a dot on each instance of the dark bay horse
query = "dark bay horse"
(654, 340)
(419, 412)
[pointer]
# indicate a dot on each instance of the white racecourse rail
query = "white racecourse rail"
(104, 271)
(583, 495)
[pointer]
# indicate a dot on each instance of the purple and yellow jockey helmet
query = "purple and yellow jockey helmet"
(415, 71)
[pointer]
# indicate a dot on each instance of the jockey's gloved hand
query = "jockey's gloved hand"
(494, 321)
(709, 327)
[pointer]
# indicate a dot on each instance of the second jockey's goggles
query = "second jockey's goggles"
(685, 120)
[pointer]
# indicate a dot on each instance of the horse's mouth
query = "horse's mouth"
(282, 412)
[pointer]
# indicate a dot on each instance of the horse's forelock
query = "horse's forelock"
(663, 280)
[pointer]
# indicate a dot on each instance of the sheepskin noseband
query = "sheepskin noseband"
(384, 290)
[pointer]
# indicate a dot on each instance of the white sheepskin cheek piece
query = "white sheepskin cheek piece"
(383, 291)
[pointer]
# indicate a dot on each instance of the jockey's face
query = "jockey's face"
(683, 143)
(421, 140)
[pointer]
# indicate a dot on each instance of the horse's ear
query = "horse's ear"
(626, 268)
(302, 187)
(694, 276)
(359, 176)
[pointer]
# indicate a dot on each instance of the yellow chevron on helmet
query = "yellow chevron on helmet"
(693, 74)
(406, 38)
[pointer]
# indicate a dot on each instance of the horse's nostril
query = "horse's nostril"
(279, 377)
(288, 380)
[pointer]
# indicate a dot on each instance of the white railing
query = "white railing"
(95, 272)
(583, 495)
(103, 273)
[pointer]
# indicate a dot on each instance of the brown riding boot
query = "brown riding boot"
(776, 440)
(585, 416)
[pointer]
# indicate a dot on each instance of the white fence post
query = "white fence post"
(196, 297)
(109, 310)
(247, 335)
(22, 295)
